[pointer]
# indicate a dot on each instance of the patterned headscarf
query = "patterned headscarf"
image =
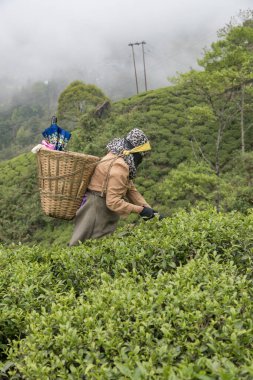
(134, 138)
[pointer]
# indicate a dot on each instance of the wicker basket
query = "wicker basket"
(63, 180)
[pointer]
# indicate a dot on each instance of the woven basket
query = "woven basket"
(63, 180)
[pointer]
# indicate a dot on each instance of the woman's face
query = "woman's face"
(137, 159)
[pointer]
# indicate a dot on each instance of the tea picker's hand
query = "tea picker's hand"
(147, 213)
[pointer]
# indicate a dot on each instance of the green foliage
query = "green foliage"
(20, 213)
(23, 120)
(232, 50)
(26, 284)
(168, 299)
(139, 304)
(197, 119)
(78, 99)
(232, 56)
(196, 184)
(146, 331)
(241, 179)
(21, 217)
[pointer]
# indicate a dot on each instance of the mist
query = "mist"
(88, 40)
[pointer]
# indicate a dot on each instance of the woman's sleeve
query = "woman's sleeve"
(135, 197)
(117, 189)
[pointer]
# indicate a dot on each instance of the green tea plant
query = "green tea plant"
(35, 279)
(195, 323)
(26, 284)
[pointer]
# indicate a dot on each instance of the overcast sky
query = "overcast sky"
(88, 39)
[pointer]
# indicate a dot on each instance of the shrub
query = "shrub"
(190, 324)
(26, 284)
(133, 261)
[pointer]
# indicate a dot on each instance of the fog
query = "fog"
(88, 40)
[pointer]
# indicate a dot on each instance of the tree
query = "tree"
(195, 184)
(215, 111)
(78, 99)
(234, 51)
(224, 92)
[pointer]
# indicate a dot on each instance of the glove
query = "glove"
(147, 213)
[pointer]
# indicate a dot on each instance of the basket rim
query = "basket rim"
(67, 153)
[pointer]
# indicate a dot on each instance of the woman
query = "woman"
(111, 192)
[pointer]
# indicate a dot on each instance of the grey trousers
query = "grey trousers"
(93, 220)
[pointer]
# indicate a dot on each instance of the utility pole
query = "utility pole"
(132, 45)
(144, 66)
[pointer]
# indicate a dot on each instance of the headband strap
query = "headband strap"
(140, 148)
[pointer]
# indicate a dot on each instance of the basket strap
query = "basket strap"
(76, 171)
(105, 183)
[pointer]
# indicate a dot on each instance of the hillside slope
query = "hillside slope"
(21, 217)
(161, 114)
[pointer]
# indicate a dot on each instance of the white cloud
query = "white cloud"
(40, 39)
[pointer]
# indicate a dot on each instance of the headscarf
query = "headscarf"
(135, 138)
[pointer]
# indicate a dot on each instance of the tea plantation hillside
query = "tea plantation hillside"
(168, 299)
(200, 130)
(162, 115)
(159, 113)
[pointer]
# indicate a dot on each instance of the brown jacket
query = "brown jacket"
(111, 177)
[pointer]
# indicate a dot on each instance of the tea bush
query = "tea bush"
(155, 246)
(205, 257)
(163, 115)
(192, 324)
(25, 285)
